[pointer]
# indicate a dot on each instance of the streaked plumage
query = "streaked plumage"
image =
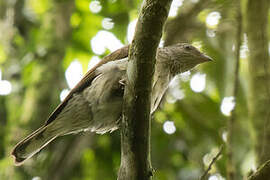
(96, 102)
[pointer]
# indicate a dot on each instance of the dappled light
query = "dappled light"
(169, 127)
(177, 93)
(46, 48)
(224, 136)
(207, 158)
(227, 105)
(174, 90)
(210, 33)
(74, 73)
(161, 43)
(105, 40)
(197, 44)
(63, 94)
(95, 6)
(131, 30)
(216, 177)
(93, 61)
(107, 23)
(197, 82)
(249, 163)
(5, 86)
(212, 19)
(174, 7)
(36, 178)
(244, 48)
(185, 76)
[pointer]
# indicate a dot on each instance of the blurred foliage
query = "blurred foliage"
(39, 40)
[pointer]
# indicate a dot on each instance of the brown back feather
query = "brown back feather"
(87, 79)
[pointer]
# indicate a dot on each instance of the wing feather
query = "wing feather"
(87, 79)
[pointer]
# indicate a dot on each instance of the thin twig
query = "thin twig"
(262, 173)
(212, 162)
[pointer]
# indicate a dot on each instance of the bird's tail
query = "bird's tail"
(33, 143)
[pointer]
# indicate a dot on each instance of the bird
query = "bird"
(95, 103)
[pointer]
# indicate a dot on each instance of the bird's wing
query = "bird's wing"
(87, 79)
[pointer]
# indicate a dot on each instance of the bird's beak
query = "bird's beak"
(205, 58)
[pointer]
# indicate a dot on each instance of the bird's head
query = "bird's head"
(183, 57)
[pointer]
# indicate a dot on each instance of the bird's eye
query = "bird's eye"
(188, 47)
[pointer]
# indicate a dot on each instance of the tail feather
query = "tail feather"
(33, 143)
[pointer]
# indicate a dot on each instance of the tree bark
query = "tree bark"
(257, 19)
(135, 125)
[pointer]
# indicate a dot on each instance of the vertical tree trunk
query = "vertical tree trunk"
(259, 68)
(231, 173)
(135, 126)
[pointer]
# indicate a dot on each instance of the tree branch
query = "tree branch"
(262, 173)
(211, 163)
(135, 125)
